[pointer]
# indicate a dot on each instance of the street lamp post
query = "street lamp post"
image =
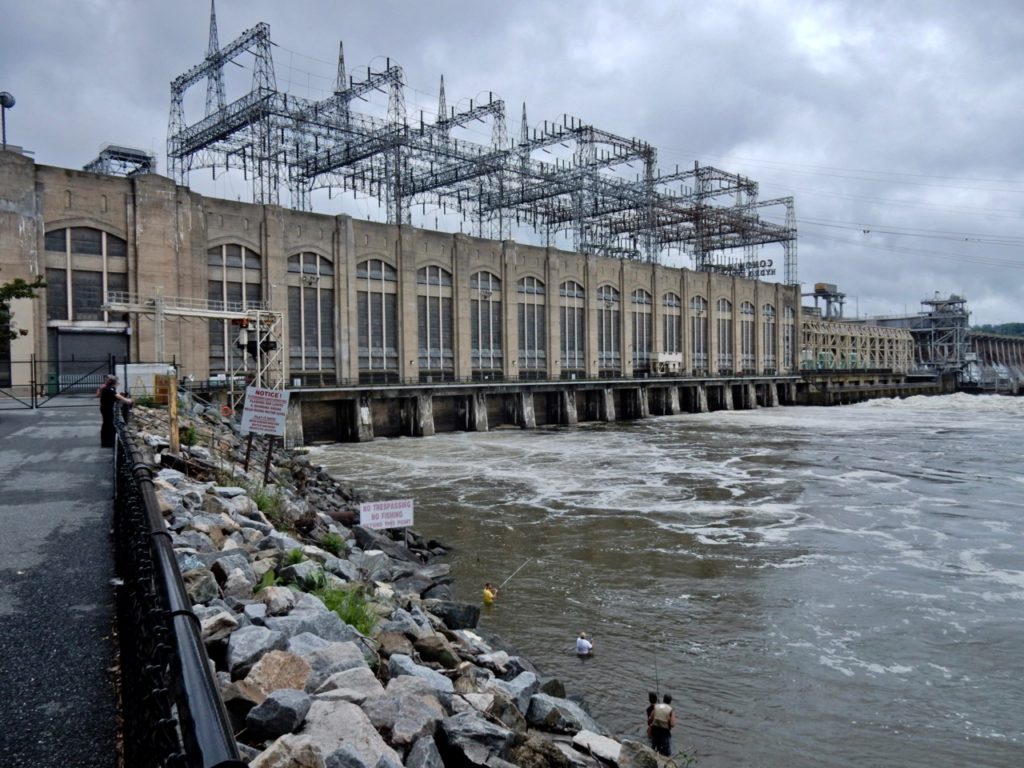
(6, 102)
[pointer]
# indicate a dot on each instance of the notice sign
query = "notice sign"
(386, 514)
(265, 411)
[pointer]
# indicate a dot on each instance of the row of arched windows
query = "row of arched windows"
(378, 311)
(94, 263)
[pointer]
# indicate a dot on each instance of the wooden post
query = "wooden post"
(270, 452)
(248, 452)
(172, 412)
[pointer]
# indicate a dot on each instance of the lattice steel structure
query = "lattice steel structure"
(122, 161)
(591, 194)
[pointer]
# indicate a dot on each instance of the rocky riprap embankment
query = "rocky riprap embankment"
(303, 688)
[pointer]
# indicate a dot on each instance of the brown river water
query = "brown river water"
(815, 587)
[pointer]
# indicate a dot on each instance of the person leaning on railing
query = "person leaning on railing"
(109, 396)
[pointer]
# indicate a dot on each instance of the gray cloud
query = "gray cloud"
(901, 119)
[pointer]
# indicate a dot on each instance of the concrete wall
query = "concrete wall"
(169, 229)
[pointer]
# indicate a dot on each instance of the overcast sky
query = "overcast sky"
(896, 126)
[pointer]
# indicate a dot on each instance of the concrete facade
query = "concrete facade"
(168, 232)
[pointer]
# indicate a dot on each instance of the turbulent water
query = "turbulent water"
(815, 586)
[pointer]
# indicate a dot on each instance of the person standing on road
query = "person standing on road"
(109, 397)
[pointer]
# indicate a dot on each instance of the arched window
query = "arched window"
(311, 318)
(609, 335)
(434, 317)
(574, 329)
(768, 339)
(235, 282)
(672, 342)
(377, 297)
(748, 360)
(533, 360)
(699, 335)
(83, 266)
(723, 321)
(788, 337)
(485, 319)
(641, 331)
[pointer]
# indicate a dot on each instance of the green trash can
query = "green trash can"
(52, 384)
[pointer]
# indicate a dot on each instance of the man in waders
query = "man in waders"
(662, 720)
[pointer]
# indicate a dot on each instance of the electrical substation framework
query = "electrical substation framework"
(258, 357)
(279, 139)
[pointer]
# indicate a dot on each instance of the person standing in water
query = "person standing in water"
(583, 646)
(490, 593)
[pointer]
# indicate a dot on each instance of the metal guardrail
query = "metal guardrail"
(171, 706)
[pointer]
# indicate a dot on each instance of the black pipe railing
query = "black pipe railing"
(171, 707)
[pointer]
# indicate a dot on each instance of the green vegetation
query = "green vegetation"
(313, 583)
(188, 436)
(146, 401)
(334, 544)
(270, 502)
(294, 557)
(350, 605)
(16, 289)
(270, 579)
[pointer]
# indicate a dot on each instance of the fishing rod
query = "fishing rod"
(517, 570)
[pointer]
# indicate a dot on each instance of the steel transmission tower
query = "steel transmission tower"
(566, 178)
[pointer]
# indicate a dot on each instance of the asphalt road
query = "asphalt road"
(57, 701)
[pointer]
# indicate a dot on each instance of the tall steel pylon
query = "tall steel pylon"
(565, 178)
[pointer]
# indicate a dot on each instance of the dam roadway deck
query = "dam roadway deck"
(360, 412)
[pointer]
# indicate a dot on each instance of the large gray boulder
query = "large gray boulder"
(520, 689)
(424, 754)
(281, 712)
(290, 751)
(399, 665)
(355, 685)
(331, 725)
(404, 718)
(560, 715)
(201, 585)
(335, 657)
(468, 738)
(247, 645)
(597, 745)
(455, 615)
(324, 624)
(368, 539)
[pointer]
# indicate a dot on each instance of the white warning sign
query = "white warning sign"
(265, 411)
(386, 514)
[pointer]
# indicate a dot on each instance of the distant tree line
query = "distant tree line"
(1006, 329)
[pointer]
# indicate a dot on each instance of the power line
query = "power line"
(869, 229)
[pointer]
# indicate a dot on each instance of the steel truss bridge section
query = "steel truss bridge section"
(259, 344)
(564, 178)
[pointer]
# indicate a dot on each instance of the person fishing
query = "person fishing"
(661, 721)
(652, 700)
(584, 647)
(490, 593)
